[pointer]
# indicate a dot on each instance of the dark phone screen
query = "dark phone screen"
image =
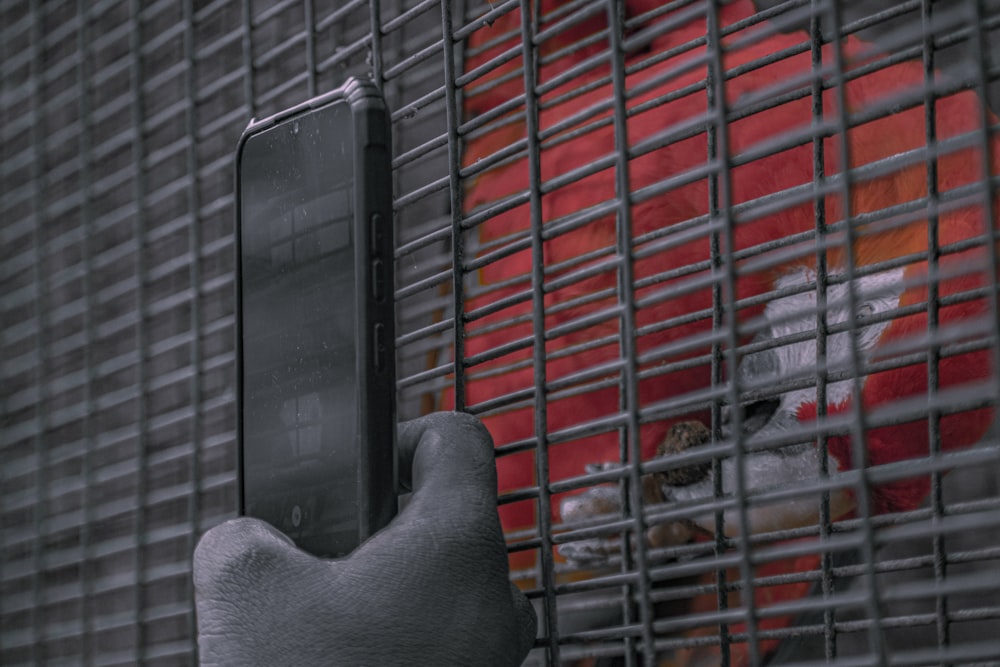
(298, 329)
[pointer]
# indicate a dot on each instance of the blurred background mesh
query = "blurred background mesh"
(118, 122)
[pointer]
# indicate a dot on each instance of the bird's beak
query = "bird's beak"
(757, 417)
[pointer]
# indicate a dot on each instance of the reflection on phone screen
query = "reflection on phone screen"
(298, 329)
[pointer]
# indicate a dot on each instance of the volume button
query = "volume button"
(375, 234)
(378, 281)
(378, 346)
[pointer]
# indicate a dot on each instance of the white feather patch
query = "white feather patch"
(874, 294)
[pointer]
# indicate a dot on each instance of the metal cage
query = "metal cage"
(721, 278)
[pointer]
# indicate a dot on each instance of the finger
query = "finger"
(527, 623)
(450, 525)
(449, 456)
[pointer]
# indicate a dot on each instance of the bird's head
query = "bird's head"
(787, 350)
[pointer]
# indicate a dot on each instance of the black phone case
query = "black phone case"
(374, 281)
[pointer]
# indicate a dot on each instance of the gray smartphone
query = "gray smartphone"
(316, 381)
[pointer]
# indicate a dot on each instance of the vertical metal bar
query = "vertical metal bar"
(722, 544)
(933, 322)
(544, 509)
(393, 94)
(4, 49)
(88, 499)
(988, 167)
(859, 444)
(194, 271)
(720, 208)
(632, 602)
(139, 230)
(453, 117)
(248, 68)
(981, 46)
(375, 16)
(310, 20)
(41, 341)
(628, 345)
(822, 331)
(462, 7)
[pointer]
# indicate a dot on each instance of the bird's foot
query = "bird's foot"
(604, 502)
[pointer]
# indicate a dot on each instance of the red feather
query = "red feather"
(669, 148)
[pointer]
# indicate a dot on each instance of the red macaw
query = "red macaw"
(668, 172)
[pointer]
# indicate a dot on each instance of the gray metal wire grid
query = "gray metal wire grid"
(119, 121)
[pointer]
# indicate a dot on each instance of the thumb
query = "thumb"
(527, 621)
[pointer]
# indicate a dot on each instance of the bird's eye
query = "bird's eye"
(865, 311)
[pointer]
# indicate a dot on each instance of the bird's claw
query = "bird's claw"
(604, 501)
(591, 553)
(594, 503)
(594, 468)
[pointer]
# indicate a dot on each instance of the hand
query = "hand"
(432, 588)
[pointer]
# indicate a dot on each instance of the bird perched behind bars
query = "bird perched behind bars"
(770, 148)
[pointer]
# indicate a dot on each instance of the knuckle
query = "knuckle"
(235, 551)
(463, 421)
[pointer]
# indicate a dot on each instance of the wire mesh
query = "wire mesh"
(613, 219)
